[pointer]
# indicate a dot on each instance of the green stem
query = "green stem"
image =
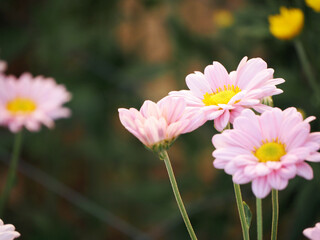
(307, 68)
(164, 156)
(275, 214)
(244, 225)
(12, 171)
(259, 219)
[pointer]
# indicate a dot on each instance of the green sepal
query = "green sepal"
(247, 213)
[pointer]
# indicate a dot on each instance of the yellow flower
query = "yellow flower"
(314, 4)
(288, 24)
(223, 18)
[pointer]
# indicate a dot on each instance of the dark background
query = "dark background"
(91, 179)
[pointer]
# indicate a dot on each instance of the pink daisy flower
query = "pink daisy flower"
(267, 150)
(157, 125)
(29, 102)
(222, 96)
(313, 233)
(7, 231)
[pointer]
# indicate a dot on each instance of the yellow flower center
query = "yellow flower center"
(270, 151)
(287, 24)
(220, 96)
(21, 105)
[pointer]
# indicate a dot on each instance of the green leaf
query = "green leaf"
(248, 213)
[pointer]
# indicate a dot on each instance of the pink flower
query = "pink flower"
(267, 150)
(222, 96)
(7, 231)
(157, 125)
(29, 101)
(313, 233)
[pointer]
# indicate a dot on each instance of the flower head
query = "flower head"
(221, 96)
(7, 231)
(157, 125)
(267, 150)
(314, 4)
(313, 233)
(28, 102)
(288, 24)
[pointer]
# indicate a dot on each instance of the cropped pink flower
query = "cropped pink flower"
(313, 233)
(159, 123)
(267, 150)
(7, 231)
(222, 96)
(30, 102)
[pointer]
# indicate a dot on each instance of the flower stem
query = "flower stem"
(275, 214)
(307, 68)
(164, 156)
(12, 171)
(244, 225)
(259, 219)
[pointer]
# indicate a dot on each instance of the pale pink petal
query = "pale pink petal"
(221, 122)
(261, 187)
(276, 181)
(314, 157)
(7, 231)
(248, 71)
(172, 114)
(313, 233)
(198, 84)
(304, 170)
(239, 178)
(217, 76)
(150, 109)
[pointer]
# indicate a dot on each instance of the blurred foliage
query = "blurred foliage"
(113, 54)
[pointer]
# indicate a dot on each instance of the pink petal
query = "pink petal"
(198, 84)
(304, 170)
(149, 109)
(287, 172)
(172, 108)
(221, 122)
(260, 187)
(217, 76)
(239, 178)
(276, 181)
(249, 70)
(314, 157)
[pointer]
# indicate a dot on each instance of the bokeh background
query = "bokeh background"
(91, 179)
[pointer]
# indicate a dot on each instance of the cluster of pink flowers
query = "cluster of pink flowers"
(267, 150)
(30, 101)
(214, 95)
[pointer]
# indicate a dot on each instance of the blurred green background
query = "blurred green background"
(91, 179)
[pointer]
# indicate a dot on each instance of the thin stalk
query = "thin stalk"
(244, 225)
(275, 214)
(307, 68)
(259, 219)
(11, 177)
(164, 156)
